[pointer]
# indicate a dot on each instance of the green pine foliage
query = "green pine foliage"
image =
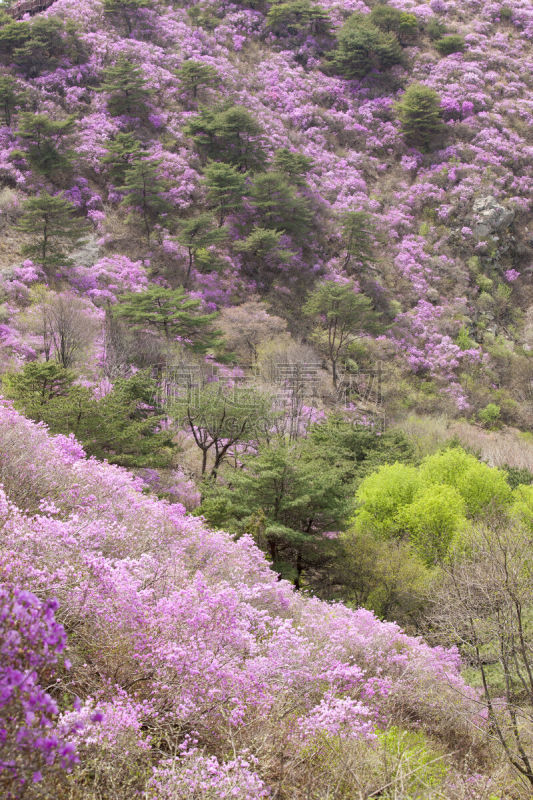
(362, 47)
(229, 134)
(123, 83)
(46, 142)
(420, 114)
(52, 223)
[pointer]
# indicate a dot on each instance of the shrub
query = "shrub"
(362, 48)
(382, 494)
(450, 44)
(432, 521)
(435, 28)
(420, 114)
(392, 20)
(490, 416)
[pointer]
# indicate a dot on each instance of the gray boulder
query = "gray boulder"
(490, 217)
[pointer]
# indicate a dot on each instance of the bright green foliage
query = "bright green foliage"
(421, 769)
(199, 233)
(220, 417)
(340, 315)
(122, 152)
(122, 427)
(392, 20)
(490, 416)
(125, 12)
(292, 164)
(420, 113)
(522, 506)
(193, 75)
(46, 141)
(144, 193)
(9, 98)
(278, 205)
(450, 44)
(432, 521)
(483, 488)
(51, 220)
(124, 84)
(297, 17)
(286, 501)
(225, 188)
(363, 48)
(171, 312)
(357, 239)
(381, 495)
(230, 134)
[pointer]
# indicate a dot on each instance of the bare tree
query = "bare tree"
(484, 605)
(64, 321)
(247, 326)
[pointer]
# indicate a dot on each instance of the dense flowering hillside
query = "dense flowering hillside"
(151, 657)
(451, 247)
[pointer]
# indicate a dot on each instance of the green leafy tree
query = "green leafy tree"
(450, 44)
(46, 141)
(199, 233)
(123, 151)
(125, 13)
(263, 256)
(124, 426)
(293, 165)
(297, 18)
(278, 205)
(392, 20)
(432, 521)
(51, 220)
(362, 48)
(420, 114)
(124, 84)
(10, 97)
(171, 312)
(225, 189)
(194, 75)
(357, 236)
(220, 418)
(230, 134)
(287, 502)
(144, 194)
(40, 44)
(340, 315)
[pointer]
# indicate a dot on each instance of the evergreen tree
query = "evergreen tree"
(263, 255)
(230, 134)
(144, 193)
(225, 189)
(124, 84)
(9, 97)
(298, 18)
(51, 220)
(392, 20)
(46, 141)
(420, 113)
(293, 165)
(36, 385)
(122, 152)
(287, 500)
(340, 315)
(199, 233)
(125, 12)
(357, 238)
(172, 312)
(362, 47)
(279, 206)
(194, 74)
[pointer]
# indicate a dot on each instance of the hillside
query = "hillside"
(266, 370)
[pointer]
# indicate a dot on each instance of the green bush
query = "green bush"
(420, 114)
(381, 495)
(363, 47)
(450, 44)
(392, 20)
(432, 521)
(435, 28)
(490, 416)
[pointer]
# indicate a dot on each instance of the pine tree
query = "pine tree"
(230, 134)
(420, 113)
(198, 233)
(144, 192)
(340, 314)
(363, 47)
(9, 97)
(124, 84)
(123, 151)
(279, 206)
(46, 140)
(293, 165)
(172, 312)
(225, 189)
(125, 11)
(51, 220)
(357, 238)
(195, 74)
